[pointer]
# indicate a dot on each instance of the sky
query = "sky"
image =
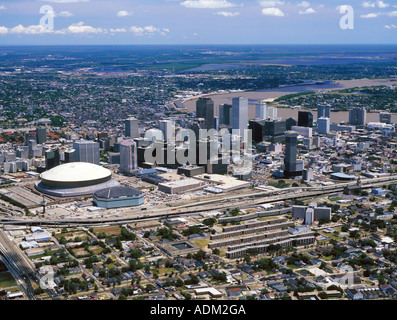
(69, 22)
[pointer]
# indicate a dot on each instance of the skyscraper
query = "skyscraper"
(292, 167)
(205, 109)
(260, 111)
(358, 116)
(131, 128)
(240, 115)
(86, 151)
(305, 119)
(323, 111)
(167, 127)
(52, 158)
(128, 156)
(225, 114)
(41, 135)
(323, 125)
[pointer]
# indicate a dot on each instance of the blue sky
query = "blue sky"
(197, 22)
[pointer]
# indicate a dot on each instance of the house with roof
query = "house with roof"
(354, 294)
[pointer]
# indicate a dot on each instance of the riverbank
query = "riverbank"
(285, 113)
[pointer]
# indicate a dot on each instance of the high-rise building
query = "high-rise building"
(240, 115)
(128, 156)
(290, 122)
(205, 109)
(32, 145)
(292, 167)
(86, 151)
(225, 114)
(323, 125)
(41, 135)
(131, 128)
(52, 158)
(323, 111)
(385, 117)
(358, 116)
(260, 111)
(167, 127)
(305, 119)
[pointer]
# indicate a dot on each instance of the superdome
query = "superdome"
(75, 179)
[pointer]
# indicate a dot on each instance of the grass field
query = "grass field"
(109, 231)
(7, 280)
(202, 243)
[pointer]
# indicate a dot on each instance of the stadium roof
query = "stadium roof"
(117, 192)
(75, 172)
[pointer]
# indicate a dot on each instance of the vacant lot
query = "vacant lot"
(79, 252)
(109, 231)
(72, 235)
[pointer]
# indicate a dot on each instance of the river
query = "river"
(285, 113)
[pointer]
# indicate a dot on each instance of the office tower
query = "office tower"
(128, 156)
(292, 167)
(167, 127)
(216, 123)
(86, 151)
(240, 115)
(305, 119)
(290, 122)
(385, 117)
(205, 109)
(323, 111)
(131, 128)
(68, 155)
(260, 111)
(225, 114)
(358, 116)
(31, 135)
(309, 216)
(41, 135)
(257, 129)
(22, 152)
(52, 158)
(323, 125)
(32, 144)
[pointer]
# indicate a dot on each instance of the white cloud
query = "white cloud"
(117, 30)
(304, 4)
(392, 26)
(270, 3)
(3, 30)
(370, 15)
(367, 4)
(65, 14)
(148, 30)
(124, 13)
(227, 14)
(308, 11)
(207, 4)
(276, 12)
(381, 4)
(2, 7)
(80, 28)
(33, 29)
(392, 14)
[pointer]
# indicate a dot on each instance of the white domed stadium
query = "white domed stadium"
(75, 179)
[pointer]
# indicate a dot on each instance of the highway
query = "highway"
(240, 201)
